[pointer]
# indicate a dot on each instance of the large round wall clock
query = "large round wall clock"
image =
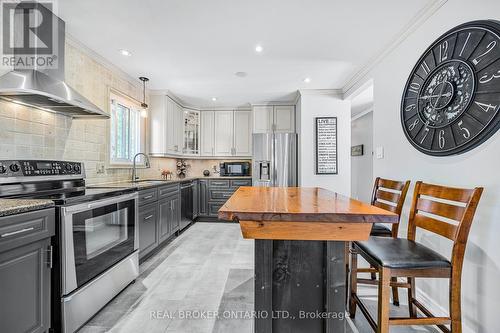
(451, 100)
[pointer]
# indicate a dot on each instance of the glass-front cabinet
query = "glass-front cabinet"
(191, 132)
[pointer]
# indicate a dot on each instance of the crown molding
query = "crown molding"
(71, 40)
(329, 92)
(362, 113)
(422, 16)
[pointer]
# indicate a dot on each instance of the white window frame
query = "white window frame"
(133, 106)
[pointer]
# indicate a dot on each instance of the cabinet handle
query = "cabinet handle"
(50, 260)
(148, 217)
(147, 197)
(7, 234)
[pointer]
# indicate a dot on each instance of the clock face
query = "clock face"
(451, 102)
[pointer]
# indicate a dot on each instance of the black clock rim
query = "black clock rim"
(482, 137)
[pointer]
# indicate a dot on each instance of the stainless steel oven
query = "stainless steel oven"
(99, 255)
(95, 236)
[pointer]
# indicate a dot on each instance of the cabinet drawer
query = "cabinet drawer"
(241, 182)
(168, 190)
(25, 228)
(220, 195)
(222, 183)
(148, 216)
(148, 196)
(213, 208)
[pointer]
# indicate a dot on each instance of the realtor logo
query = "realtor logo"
(29, 35)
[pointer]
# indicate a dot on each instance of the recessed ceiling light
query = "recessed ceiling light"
(214, 99)
(241, 74)
(307, 80)
(259, 48)
(125, 52)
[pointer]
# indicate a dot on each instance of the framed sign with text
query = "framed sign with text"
(326, 146)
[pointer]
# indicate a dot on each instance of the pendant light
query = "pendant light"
(144, 106)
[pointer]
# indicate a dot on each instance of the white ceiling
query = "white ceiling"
(193, 48)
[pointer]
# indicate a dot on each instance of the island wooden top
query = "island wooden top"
(301, 213)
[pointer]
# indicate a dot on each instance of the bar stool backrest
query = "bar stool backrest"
(390, 195)
(446, 211)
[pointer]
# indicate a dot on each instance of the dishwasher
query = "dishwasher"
(186, 204)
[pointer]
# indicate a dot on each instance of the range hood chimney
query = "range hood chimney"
(44, 88)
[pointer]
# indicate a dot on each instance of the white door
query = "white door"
(157, 130)
(242, 133)
(224, 133)
(207, 133)
(170, 125)
(284, 118)
(262, 119)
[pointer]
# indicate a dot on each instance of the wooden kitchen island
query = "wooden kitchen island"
(300, 268)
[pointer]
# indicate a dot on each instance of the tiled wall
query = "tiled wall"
(30, 133)
(195, 169)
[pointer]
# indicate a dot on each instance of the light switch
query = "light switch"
(379, 152)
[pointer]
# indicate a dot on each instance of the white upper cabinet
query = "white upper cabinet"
(191, 129)
(207, 133)
(242, 133)
(224, 129)
(262, 119)
(278, 118)
(157, 122)
(284, 118)
(178, 128)
(166, 123)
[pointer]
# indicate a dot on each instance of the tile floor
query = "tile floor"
(208, 267)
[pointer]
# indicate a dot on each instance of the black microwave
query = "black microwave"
(235, 169)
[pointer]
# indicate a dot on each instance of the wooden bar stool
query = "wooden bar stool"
(433, 209)
(389, 195)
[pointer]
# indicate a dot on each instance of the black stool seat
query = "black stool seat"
(379, 229)
(401, 253)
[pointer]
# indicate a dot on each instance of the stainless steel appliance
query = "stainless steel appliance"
(234, 169)
(186, 204)
(44, 88)
(274, 159)
(96, 242)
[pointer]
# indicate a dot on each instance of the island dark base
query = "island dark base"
(300, 286)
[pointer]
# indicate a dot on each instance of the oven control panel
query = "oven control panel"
(24, 168)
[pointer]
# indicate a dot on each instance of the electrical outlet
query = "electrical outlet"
(379, 152)
(100, 167)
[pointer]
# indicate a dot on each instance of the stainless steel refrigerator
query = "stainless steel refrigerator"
(274, 159)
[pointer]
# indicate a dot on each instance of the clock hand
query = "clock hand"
(448, 94)
(434, 111)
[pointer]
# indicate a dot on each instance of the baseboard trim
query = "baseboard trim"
(437, 309)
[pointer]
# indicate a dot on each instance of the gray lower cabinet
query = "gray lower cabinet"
(148, 228)
(170, 216)
(25, 271)
(203, 198)
(213, 193)
(196, 200)
(159, 216)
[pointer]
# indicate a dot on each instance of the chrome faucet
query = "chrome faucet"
(134, 169)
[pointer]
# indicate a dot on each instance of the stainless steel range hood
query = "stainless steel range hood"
(45, 88)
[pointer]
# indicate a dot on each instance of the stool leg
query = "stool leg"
(384, 293)
(395, 292)
(412, 309)
(354, 283)
(455, 306)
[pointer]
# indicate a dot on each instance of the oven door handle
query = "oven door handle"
(99, 203)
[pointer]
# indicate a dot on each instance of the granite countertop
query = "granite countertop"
(150, 183)
(17, 206)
